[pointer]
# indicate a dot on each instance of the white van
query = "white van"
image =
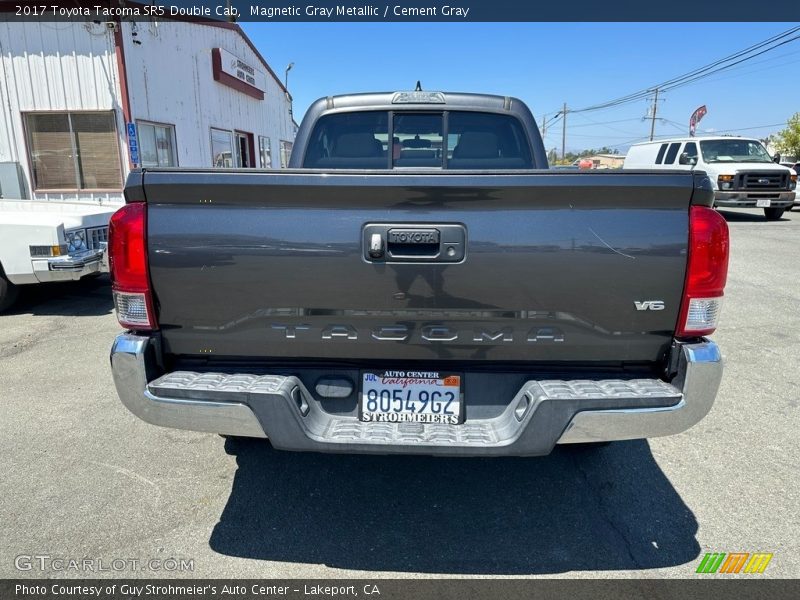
(740, 169)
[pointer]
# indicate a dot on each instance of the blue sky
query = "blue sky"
(546, 64)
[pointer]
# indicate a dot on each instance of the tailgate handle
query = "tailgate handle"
(412, 242)
(416, 242)
(375, 246)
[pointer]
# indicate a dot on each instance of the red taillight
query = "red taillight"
(706, 272)
(127, 257)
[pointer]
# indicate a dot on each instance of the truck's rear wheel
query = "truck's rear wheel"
(8, 292)
(773, 214)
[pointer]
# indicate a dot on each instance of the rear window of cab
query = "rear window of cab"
(398, 139)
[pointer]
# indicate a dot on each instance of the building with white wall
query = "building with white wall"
(198, 95)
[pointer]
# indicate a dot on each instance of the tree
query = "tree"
(788, 140)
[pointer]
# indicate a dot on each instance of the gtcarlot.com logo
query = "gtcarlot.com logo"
(45, 562)
(734, 562)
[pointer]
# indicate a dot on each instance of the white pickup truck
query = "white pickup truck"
(43, 241)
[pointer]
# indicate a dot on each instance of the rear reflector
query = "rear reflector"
(130, 278)
(706, 273)
(702, 315)
(132, 310)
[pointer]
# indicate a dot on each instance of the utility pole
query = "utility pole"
(544, 125)
(653, 116)
(564, 131)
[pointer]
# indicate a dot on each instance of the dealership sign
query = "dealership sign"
(231, 70)
(236, 67)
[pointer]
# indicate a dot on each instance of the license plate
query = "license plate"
(410, 397)
(763, 203)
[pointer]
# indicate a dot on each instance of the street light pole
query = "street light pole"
(286, 76)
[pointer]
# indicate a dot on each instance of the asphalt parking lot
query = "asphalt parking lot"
(84, 478)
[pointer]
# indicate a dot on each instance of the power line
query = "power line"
(697, 72)
(722, 64)
(764, 61)
(738, 73)
(723, 68)
(642, 138)
(598, 137)
(704, 71)
(674, 83)
(679, 126)
(750, 128)
(604, 123)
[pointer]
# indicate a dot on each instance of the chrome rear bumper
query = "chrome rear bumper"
(541, 414)
(133, 364)
(699, 376)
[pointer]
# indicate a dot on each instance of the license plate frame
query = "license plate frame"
(448, 379)
(763, 203)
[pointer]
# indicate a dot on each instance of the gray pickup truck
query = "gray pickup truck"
(419, 282)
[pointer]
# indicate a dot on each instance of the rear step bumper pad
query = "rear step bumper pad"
(542, 414)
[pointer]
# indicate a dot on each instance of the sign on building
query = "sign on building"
(133, 143)
(231, 70)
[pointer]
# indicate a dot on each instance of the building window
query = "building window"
(73, 150)
(221, 148)
(156, 144)
(264, 152)
(286, 152)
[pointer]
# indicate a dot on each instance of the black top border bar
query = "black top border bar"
(459, 11)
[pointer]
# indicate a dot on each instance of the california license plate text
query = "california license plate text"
(411, 396)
